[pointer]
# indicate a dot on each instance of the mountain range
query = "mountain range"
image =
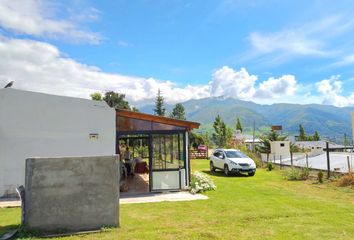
(331, 122)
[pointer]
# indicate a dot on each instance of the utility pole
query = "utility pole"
(328, 161)
(254, 133)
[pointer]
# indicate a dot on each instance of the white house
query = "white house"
(41, 125)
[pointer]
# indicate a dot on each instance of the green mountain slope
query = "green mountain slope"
(331, 122)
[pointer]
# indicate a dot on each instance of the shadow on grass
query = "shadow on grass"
(222, 174)
(5, 229)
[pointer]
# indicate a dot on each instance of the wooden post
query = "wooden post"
(291, 158)
(280, 161)
(328, 162)
(307, 160)
(349, 167)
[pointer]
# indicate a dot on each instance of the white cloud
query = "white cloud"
(230, 83)
(33, 17)
(39, 66)
(288, 41)
(309, 39)
(331, 89)
(346, 60)
(277, 87)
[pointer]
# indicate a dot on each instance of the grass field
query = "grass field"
(261, 207)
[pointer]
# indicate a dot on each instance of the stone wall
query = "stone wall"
(72, 193)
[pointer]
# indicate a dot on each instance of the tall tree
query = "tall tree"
(97, 96)
(316, 136)
(116, 100)
(238, 125)
(160, 109)
(302, 134)
(222, 134)
(178, 112)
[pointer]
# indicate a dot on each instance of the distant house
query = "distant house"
(250, 143)
(239, 137)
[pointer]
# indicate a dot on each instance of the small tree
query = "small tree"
(293, 148)
(160, 109)
(238, 125)
(302, 134)
(134, 109)
(316, 136)
(116, 100)
(178, 112)
(97, 96)
(195, 140)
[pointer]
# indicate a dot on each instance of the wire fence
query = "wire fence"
(327, 161)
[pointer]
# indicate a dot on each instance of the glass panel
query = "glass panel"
(161, 126)
(131, 124)
(167, 151)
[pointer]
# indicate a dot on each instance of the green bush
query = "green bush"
(320, 176)
(292, 174)
(305, 173)
(270, 166)
(295, 174)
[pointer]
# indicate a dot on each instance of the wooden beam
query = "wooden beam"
(165, 120)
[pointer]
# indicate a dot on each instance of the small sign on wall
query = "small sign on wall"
(93, 136)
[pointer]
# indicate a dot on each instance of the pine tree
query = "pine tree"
(222, 134)
(302, 134)
(159, 110)
(316, 136)
(238, 125)
(178, 112)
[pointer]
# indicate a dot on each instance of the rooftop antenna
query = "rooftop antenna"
(9, 84)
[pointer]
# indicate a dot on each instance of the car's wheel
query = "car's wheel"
(212, 168)
(226, 170)
(251, 174)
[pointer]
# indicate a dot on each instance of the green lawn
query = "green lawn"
(261, 207)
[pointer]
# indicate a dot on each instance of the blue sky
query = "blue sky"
(263, 51)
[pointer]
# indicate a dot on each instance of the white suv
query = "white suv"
(232, 160)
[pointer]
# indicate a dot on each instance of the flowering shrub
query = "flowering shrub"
(201, 182)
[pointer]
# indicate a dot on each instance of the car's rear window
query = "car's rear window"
(235, 154)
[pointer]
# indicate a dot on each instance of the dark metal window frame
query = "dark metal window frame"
(150, 133)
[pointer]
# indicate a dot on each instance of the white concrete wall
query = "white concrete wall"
(280, 147)
(42, 125)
